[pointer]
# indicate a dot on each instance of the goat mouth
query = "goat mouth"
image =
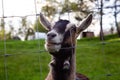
(52, 47)
(52, 43)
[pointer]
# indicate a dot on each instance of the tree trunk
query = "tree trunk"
(101, 27)
(115, 16)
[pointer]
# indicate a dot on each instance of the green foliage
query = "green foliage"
(69, 6)
(2, 23)
(27, 62)
(38, 27)
(24, 22)
(2, 34)
(49, 10)
(74, 6)
(80, 6)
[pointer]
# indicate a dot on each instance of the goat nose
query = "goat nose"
(51, 35)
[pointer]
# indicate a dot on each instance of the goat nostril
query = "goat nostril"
(51, 35)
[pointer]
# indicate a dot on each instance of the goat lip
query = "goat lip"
(52, 43)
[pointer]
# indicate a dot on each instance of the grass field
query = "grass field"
(28, 61)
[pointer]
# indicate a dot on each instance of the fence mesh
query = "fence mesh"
(28, 60)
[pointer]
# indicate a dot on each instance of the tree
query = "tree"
(84, 8)
(2, 31)
(112, 30)
(24, 22)
(11, 29)
(115, 16)
(66, 6)
(2, 24)
(101, 22)
(114, 7)
(49, 9)
(25, 28)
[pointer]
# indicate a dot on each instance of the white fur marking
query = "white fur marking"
(69, 26)
(57, 39)
(52, 48)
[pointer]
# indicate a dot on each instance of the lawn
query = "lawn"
(99, 60)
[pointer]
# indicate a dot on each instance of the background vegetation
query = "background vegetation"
(28, 61)
(99, 60)
(55, 8)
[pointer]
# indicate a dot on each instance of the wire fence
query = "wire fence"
(14, 61)
(40, 55)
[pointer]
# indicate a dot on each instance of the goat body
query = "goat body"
(60, 43)
(58, 70)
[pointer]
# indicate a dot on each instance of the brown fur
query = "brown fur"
(81, 77)
(69, 74)
(67, 50)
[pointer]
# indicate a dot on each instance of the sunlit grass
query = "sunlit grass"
(27, 61)
(116, 39)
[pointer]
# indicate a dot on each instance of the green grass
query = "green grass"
(97, 60)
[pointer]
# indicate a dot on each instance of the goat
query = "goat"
(60, 43)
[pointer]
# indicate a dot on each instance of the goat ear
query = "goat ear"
(45, 23)
(84, 24)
